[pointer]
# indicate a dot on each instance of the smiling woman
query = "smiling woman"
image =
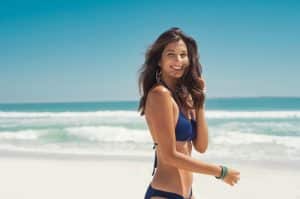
(174, 58)
(173, 94)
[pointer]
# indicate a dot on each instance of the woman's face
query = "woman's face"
(174, 59)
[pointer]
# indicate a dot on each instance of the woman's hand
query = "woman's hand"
(232, 177)
(199, 93)
(201, 83)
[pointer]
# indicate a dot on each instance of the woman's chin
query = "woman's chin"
(177, 75)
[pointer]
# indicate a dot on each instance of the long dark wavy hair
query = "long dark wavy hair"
(187, 84)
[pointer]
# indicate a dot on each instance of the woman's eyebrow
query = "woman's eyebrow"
(170, 50)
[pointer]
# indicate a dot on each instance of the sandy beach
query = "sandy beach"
(64, 176)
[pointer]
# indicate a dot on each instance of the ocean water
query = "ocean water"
(239, 128)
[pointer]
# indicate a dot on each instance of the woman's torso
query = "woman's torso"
(167, 177)
(173, 179)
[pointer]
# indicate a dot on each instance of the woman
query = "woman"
(173, 104)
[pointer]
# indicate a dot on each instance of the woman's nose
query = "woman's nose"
(178, 58)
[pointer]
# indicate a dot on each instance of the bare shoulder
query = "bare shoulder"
(158, 92)
(159, 89)
(158, 96)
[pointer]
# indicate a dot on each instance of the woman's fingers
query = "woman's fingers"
(233, 178)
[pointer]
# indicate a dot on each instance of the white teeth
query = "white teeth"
(177, 68)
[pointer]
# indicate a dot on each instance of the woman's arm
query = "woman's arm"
(160, 114)
(201, 141)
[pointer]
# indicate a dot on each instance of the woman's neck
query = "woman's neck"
(170, 83)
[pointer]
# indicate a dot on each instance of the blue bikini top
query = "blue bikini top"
(185, 129)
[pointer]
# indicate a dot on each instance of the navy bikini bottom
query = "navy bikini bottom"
(151, 192)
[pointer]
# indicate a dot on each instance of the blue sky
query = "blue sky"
(54, 51)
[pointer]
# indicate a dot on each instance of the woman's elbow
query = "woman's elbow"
(201, 149)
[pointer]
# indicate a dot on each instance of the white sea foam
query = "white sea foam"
(126, 131)
(238, 138)
(109, 134)
(134, 114)
(20, 135)
(279, 128)
(253, 114)
(69, 114)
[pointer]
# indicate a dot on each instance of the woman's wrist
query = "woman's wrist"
(223, 173)
(200, 108)
(200, 112)
(219, 171)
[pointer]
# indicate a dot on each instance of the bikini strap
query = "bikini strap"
(155, 158)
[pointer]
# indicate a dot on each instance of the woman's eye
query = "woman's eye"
(183, 55)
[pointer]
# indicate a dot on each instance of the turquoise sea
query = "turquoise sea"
(250, 128)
